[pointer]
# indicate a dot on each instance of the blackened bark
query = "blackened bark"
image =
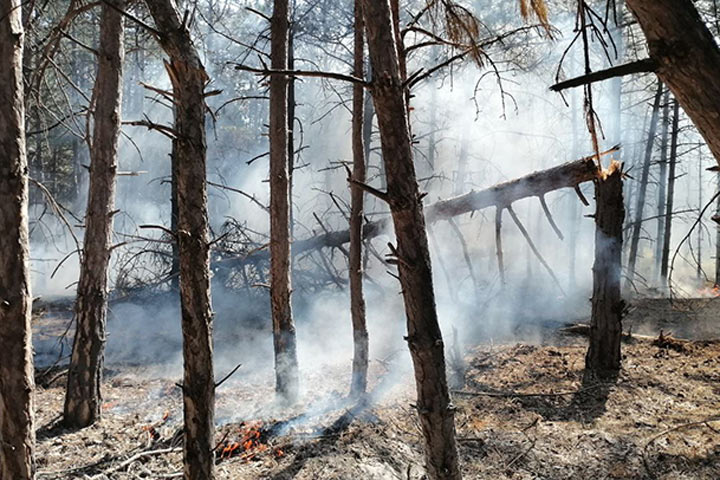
(642, 186)
(413, 258)
(688, 60)
(357, 299)
(17, 386)
(670, 193)
(188, 77)
(603, 355)
(286, 366)
(83, 398)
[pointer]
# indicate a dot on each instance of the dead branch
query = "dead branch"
(534, 249)
(640, 66)
(550, 218)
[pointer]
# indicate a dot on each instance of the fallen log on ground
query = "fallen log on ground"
(536, 184)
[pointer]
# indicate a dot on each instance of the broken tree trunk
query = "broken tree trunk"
(17, 385)
(412, 255)
(687, 58)
(536, 184)
(188, 77)
(83, 398)
(357, 300)
(284, 341)
(603, 355)
(642, 186)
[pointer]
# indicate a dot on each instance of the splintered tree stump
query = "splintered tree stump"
(603, 356)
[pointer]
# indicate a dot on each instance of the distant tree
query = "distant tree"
(188, 77)
(17, 387)
(83, 397)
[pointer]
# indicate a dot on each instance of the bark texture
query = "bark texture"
(286, 366)
(83, 398)
(189, 78)
(357, 300)
(413, 258)
(603, 355)
(688, 60)
(17, 435)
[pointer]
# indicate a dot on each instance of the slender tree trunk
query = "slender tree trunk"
(357, 300)
(413, 258)
(699, 271)
(83, 398)
(639, 206)
(188, 77)
(670, 192)
(286, 366)
(662, 183)
(17, 386)
(603, 355)
(688, 60)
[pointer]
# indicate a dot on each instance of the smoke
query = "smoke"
(487, 129)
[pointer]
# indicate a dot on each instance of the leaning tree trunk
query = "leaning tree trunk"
(688, 60)
(412, 254)
(642, 187)
(188, 77)
(603, 355)
(286, 366)
(17, 386)
(670, 193)
(357, 300)
(83, 398)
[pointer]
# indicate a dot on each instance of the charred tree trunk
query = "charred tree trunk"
(412, 254)
(642, 187)
(83, 398)
(662, 184)
(17, 386)
(670, 193)
(717, 234)
(188, 77)
(357, 299)
(286, 366)
(688, 60)
(603, 355)
(291, 128)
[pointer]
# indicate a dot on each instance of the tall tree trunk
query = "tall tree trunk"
(670, 192)
(642, 187)
(83, 398)
(603, 355)
(188, 77)
(717, 234)
(662, 183)
(413, 258)
(357, 299)
(174, 216)
(286, 366)
(17, 386)
(688, 60)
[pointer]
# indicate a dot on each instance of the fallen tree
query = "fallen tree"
(501, 196)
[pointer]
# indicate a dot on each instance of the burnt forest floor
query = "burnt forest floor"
(523, 413)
